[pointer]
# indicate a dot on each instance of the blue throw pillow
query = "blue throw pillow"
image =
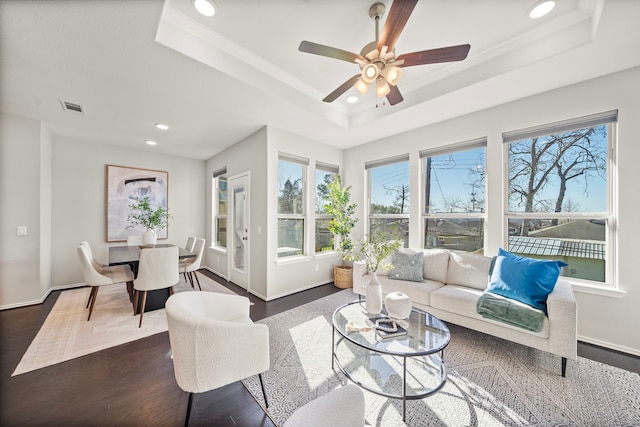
(524, 279)
(407, 266)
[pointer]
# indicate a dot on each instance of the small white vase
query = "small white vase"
(149, 238)
(398, 305)
(373, 301)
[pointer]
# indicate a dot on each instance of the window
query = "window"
(291, 209)
(323, 238)
(454, 190)
(560, 194)
(389, 197)
(220, 208)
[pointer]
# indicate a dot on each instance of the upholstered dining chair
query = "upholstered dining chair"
(135, 240)
(157, 269)
(191, 265)
(106, 269)
(191, 240)
(96, 278)
(214, 342)
(343, 406)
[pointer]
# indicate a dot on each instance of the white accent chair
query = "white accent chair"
(342, 407)
(135, 240)
(214, 342)
(191, 265)
(157, 269)
(96, 278)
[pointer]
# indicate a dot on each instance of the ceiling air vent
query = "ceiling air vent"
(70, 106)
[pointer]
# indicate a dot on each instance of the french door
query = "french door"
(238, 189)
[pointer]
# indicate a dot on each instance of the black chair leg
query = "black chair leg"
(266, 404)
(197, 280)
(186, 421)
(92, 297)
(564, 366)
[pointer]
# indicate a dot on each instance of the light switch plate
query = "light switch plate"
(22, 230)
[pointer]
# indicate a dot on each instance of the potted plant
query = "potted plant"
(152, 219)
(341, 224)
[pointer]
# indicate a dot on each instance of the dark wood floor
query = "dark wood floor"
(133, 384)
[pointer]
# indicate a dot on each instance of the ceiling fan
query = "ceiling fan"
(377, 60)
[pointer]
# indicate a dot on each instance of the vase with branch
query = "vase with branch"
(373, 252)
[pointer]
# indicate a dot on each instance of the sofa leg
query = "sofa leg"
(564, 366)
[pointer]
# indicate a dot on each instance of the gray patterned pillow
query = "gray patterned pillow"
(407, 266)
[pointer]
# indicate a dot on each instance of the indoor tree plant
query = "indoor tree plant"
(341, 224)
(152, 219)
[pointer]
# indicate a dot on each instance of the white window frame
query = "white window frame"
(330, 169)
(302, 216)
(218, 175)
(610, 118)
(403, 158)
(450, 149)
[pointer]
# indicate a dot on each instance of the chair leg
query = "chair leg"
(142, 304)
(135, 301)
(564, 366)
(171, 291)
(92, 297)
(130, 291)
(197, 280)
(266, 404)
(186, 421)
(190, 279)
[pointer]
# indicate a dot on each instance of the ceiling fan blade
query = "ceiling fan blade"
(342, 89)
(394, 96)
(433, 56)
(398, 16)
(331, 52)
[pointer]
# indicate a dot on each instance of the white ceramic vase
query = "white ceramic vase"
(398, 305)
(373, 301)
(149, 238)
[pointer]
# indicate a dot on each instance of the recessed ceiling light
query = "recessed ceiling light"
(352, 99)
(150, 142)
(162, 126)
(541, 8)
(205, 7)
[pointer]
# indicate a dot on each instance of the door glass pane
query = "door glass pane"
(239, 232)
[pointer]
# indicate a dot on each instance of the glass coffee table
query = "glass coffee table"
(406, 367)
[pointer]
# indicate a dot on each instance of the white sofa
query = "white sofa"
(453, 282)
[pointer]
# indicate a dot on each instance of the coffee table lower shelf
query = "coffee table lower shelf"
(394, 375)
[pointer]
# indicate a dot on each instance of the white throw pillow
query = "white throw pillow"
(468, 270)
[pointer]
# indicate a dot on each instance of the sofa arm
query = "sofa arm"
(359, 270)
(562, 310)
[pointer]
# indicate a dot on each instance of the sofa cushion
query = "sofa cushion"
(462, 301)
(435, 264)
(526, 280)
(407, 266)
(468, 270)
(419, 292)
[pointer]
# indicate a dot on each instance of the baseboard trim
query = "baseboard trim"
(43, 298)
(609, 346)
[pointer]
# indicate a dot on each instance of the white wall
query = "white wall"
(286, 276)
(604, 320)
(79, 186)
(269, 277)
(25, 154)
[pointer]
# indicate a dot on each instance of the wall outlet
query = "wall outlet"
(317, 267)
(22, 230)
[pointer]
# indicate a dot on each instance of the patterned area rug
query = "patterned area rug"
(66, 334)
(491, 382)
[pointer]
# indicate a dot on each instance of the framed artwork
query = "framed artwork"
(124, 186)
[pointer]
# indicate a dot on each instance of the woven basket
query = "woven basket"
(343, 276)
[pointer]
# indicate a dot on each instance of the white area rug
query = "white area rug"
(66, 334)
(491, 382)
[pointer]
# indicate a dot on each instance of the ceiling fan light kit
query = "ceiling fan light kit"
(377, 60)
